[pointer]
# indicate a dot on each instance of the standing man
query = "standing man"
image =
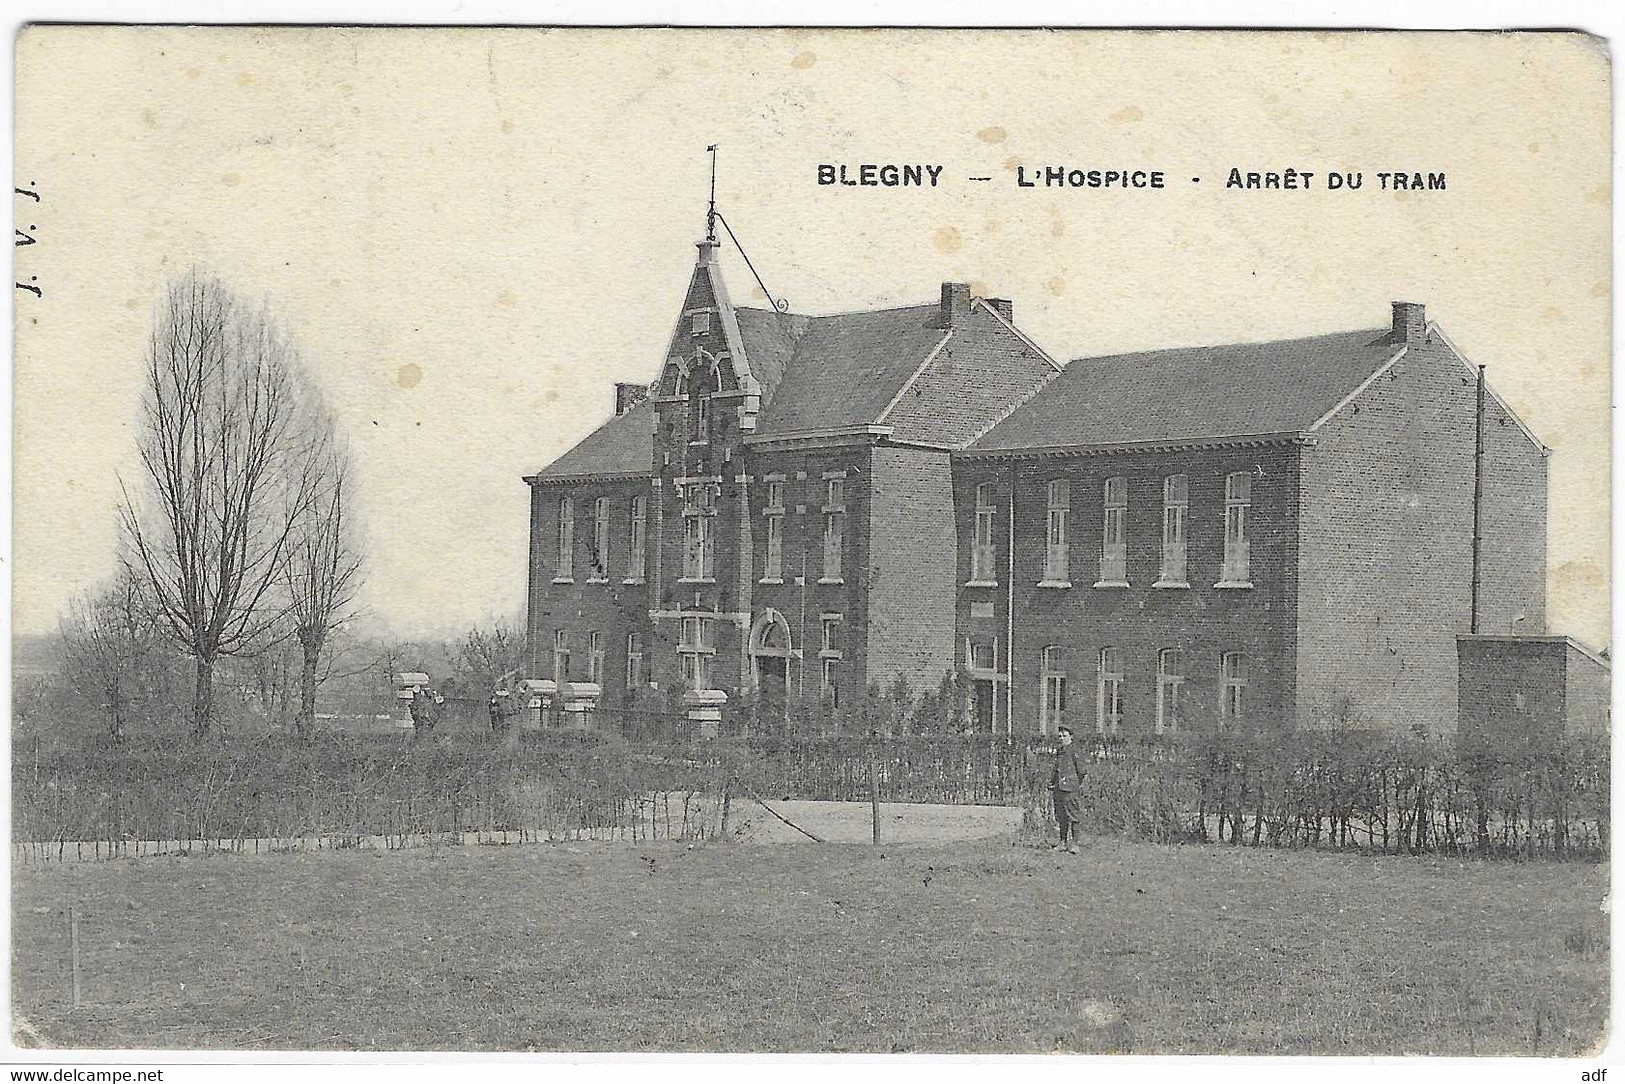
(1064, 782)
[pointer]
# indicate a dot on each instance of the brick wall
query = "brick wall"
(911, 585)
(1203, 621)
(1386, 553)
(982, 371)
(612, 609)
(1511, 690)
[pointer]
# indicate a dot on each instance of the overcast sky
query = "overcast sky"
(473, 234)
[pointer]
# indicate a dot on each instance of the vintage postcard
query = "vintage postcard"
(781, 540)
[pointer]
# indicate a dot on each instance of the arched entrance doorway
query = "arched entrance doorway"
(770, 652)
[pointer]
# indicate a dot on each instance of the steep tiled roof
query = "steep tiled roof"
(1245, 389)
(770, 342)
(622, 445)
(846, 369)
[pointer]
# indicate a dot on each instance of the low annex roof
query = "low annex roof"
(624, 445)
(1195, 393)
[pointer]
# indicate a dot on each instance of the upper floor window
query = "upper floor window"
(595, 658)
(600, 540)
(701, 323)
(563, 568)
(699, 509)
(1175, 515)
(638, 536)
(1238, 501)
(1109, 692)
(1052, 707)
(834, 526)
(773, 559)
(634, 660)
(981, 554)
(1232, 703)
(1114, 533)
(702, 418)
(1055, 558)
(1170, 690)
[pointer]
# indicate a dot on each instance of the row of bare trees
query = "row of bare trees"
(241, 534)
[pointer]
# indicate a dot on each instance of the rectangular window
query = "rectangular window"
(1231, 705)
(561, 657)
(701, 323)
(773, 559)
(1170, 691)
(1109, 692)
(595, 658)
(698, 530)
(695, 651)
(600, 540)
(634, 660)
(982, 656)
(1052, 710)
(637, 540)
(981, 555)
(1114, 533)
(1238, 500)
(829, 683)
(564, 567)
(1175, 512)
(832, 635)
(834, 526)
(702, 418)
(1055, 559)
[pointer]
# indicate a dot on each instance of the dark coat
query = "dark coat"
(1067, 773)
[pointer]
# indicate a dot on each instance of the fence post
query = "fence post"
(874, 793)
(73, 951)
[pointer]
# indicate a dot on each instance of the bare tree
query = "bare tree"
(489, 658)
(322, 566)
(218, 428)
(107, 638)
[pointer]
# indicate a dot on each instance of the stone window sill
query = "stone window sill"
(829, 654)
(981, 583)
(633, 581)
(1171, 585)
(1234, 585)
(830, 579)
(771, 579)
(697, 579)
(1111, 583)
(564, 579)
(597, 579)
(1055, 583)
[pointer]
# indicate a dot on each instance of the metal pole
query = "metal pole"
(1478, 498)
(73, 942)
(874, 792)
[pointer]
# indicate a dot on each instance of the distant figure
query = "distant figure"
(1066, 778)
(424, 711)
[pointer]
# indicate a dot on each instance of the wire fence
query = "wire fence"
(1354, 790)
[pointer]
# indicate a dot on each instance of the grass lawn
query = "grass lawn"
(929, 947)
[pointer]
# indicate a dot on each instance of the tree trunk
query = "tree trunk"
(311, 654)
(203, 698)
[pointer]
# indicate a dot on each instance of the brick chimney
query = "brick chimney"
(1410, 322)
(1004, 308)
(628, 396)
(955, 303)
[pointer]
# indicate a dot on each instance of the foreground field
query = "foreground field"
(981, 946)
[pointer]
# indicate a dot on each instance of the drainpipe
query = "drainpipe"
(1010, 609)
(1478, 499)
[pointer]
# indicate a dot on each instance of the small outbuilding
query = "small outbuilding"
(1514, 687)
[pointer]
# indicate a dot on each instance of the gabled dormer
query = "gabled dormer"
(707, 398)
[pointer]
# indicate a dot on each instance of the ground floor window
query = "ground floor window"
(1233, 703)
(1109, 692)
(1052, 710)
(1170, 690)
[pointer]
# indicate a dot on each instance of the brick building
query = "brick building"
(1268, 533)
